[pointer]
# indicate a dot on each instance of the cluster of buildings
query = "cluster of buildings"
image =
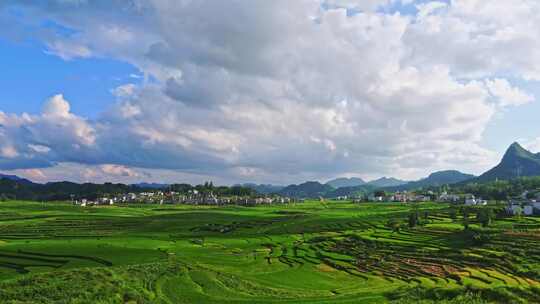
(145, 197)
(467, 199)
(528, 203)
(193, 197)
(401, 197)
(430, 196)
(196, 198)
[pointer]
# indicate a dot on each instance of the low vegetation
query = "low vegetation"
(314, 252)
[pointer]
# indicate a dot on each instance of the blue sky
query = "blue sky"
(32, 75)
(516, 124)
(260, 95)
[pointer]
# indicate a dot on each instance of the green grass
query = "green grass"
(305, 253)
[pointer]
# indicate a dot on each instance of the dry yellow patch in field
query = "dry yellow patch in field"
(325, 268)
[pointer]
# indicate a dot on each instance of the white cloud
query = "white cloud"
(507, 95)
(287, 89)
(67, 50)
(428, 8)
(34, 175)
(39, 148)
(118, 170)
(478, 38)
(368, 5)
(8, 151)
(57, 107)
(42, 140)
(123, 91)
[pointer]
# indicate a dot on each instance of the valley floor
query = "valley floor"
(333, 252)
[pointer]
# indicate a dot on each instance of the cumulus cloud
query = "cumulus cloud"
(118, 170)
(34, 175)
(506, 94)
(477, 38)
(292, 89)
(67, 50)
(30, 141)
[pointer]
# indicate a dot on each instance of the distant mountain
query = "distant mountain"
(14, 178)
(307, 190)
(436, 179)
(263, 188)
(361, 190)
(151, 185)
(386, 182)
(516, 162)
(345, 182)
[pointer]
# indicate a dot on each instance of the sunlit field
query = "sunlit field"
(331, 252)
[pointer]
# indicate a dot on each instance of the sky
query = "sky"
(264, 91)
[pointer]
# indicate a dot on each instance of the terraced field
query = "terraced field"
(337, 252)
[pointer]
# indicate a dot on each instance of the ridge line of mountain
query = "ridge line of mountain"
(516, 162)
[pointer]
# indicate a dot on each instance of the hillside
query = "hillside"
(307, 189)
(263, 188)
(386, 182)
(14, 178)
(435, 179)
(346, 182)
(151, 185)
(361, 190)
(516, 162)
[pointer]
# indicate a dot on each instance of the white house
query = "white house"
(514, 209)
(451, 198)
(528, 210)
(470, 200)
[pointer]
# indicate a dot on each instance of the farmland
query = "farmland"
(332, 252)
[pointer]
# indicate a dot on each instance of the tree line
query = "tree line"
(61, 191)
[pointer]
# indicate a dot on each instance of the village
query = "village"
(192, 197)
(527, 204)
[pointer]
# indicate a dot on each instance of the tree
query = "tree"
(413, 219)
(518, 212)
(465, 218)
(452, 213)
(379, 193)
(485, 216)
(394, 224)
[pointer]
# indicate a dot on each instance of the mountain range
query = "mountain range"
(346, 182)
(263, 188)
(14, 178)
(307, 189)
(516, 162)
(387, 182)
(435, 179)
(316, 189)
(151, 185)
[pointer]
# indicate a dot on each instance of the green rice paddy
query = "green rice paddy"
(336, 252)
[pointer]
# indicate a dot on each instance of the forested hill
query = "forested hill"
(516, 162)
(435, 179)
(26, 190)
(501, 189)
